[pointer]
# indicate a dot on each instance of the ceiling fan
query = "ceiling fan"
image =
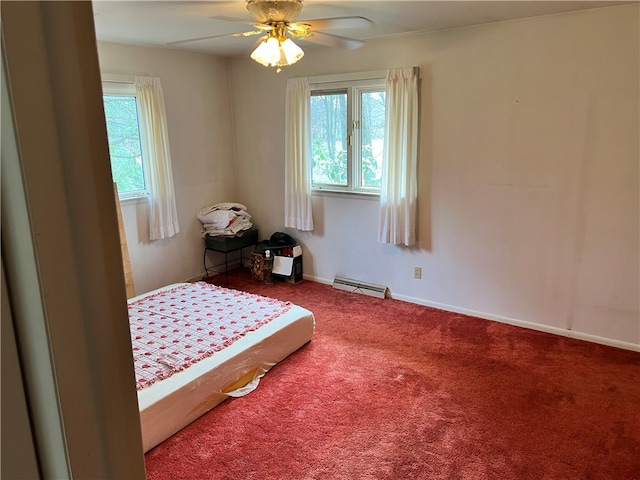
(276, 19)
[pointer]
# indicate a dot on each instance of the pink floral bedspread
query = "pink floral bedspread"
(176, 328)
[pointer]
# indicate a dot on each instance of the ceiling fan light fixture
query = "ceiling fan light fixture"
(276, 50)
(291, 52)
(269, 11)
(268, 52)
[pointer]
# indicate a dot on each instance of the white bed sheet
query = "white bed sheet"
(169, 405)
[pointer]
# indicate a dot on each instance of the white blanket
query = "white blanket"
(224, 219)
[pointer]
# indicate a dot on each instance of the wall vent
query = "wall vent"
(356, 286)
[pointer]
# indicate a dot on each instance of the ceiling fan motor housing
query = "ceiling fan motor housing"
(274, 11)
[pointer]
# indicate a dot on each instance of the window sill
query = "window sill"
(344, 194)
(137, 200)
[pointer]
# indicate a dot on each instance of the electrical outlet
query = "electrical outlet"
(417, 272)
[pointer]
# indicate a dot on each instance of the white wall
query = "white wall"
(528, 172)
(200, 123)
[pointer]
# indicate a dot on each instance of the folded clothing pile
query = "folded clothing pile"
(224, 219)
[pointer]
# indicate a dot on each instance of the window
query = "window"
(347, 135)
(123, 131)
(138, 135)
(321, 111)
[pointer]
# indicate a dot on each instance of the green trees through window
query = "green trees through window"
(124, 143)
(329, 138)
(347, 138)
(372, 137)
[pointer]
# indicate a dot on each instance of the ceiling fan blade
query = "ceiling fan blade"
(259, 26)
(232, 19)
(335, 23)
(208, 37)
(333, 40)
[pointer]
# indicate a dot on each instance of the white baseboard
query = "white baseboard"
(510, 321)
(311, 278)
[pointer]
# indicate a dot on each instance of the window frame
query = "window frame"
(353, 85)
(123, 86)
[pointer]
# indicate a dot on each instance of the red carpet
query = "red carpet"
(393, 390)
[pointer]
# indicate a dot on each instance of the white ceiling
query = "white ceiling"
(156, 23)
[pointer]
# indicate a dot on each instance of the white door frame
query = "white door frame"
(61, 247)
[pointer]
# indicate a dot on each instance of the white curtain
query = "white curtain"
(297, 194)
(163, 217)
(399, 190)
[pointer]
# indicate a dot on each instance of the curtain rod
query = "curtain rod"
(341, 77)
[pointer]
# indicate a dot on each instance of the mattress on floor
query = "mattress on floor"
(169, 405)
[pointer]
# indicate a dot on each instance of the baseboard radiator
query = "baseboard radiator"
(356, 286)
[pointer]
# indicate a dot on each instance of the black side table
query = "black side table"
(227, 245)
